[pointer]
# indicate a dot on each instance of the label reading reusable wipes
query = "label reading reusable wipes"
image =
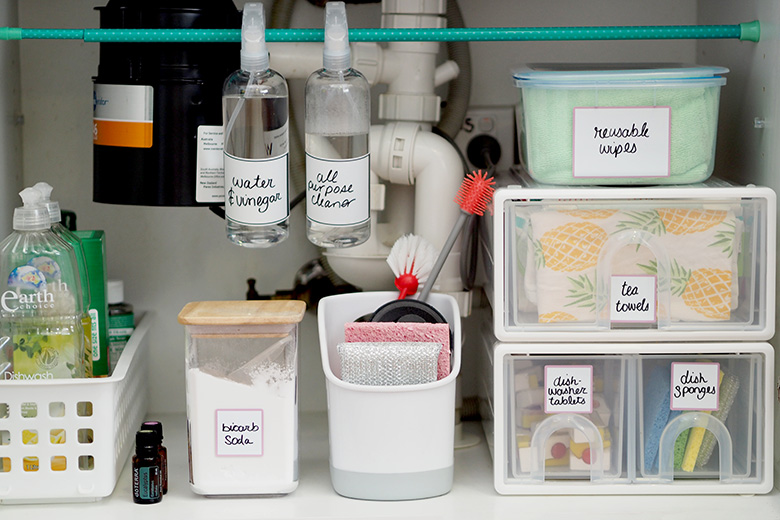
(210, 169)
(239, 433)
(632, 299)
(695, 386)
(568, 388)
(613, 142)
(337, 191)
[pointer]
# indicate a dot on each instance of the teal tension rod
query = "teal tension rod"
(748, 31)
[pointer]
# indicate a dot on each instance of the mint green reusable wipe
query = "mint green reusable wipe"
(548, 118)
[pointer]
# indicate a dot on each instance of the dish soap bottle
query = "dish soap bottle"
(337, 121)
(40, 297)
(89, 316)
(255, 114)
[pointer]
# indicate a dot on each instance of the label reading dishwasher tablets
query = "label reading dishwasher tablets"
(568, 388)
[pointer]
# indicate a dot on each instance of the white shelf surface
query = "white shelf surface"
(472, 497)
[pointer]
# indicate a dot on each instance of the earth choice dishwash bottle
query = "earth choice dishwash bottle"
(338, 118)
(255, 116)
(90, 315)
(40, 297)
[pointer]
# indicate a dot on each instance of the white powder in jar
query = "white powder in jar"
(243, 438)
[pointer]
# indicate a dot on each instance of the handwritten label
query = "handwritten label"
(337, 191)
(613, 142)
(210, 169)
(695, 386)
(239, 433)
(256, 191)
(632, 299)
(568, 388)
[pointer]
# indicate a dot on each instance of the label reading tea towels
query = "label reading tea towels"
(613, 142)
(632, 299)
(695, 386)
(568, 388)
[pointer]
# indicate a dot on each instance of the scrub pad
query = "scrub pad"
(679, 448)
(388, 364)
(404, 332)
(728, 392)
(695, 440)
(656, 412)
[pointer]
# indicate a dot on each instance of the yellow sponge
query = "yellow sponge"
(695, 439)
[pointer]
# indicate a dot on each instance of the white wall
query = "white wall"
(10, 129)
(170, 256)
(746, 153)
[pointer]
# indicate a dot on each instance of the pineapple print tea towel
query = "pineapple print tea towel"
(564, 245)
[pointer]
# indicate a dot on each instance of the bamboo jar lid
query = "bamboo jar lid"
(243, 312)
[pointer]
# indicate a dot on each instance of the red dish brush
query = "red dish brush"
(473, 196)
(411, 259)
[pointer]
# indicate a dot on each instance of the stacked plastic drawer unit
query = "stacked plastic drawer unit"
(627, 351)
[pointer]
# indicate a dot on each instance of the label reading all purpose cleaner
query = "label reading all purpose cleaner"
(256, 190)
(337, 191)
(122, 115)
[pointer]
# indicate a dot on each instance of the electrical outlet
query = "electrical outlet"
(489, 128)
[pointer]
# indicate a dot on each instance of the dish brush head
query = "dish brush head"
(411, 259)
(475, 192)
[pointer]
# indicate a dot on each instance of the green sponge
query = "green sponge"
(679, 448)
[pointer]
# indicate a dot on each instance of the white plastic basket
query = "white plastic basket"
(84, 430)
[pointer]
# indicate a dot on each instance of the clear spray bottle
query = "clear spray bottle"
(255, 112)
(338, 118)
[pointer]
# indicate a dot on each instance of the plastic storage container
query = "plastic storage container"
(387, 442)
(641, 420)
(242, 396)
(68, 440)
(618, 123)
(683, 263)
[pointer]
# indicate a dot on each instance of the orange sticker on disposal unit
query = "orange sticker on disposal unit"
(123, 115)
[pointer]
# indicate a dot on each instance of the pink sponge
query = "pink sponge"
(373, 332)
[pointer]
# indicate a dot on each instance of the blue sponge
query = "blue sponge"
(656, 412)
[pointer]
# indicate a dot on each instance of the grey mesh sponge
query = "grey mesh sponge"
(728, 392)
(389, 364)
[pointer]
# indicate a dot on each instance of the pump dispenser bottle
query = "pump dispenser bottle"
(338, 118)
(89, 316)
(40, 299)
(255, 116)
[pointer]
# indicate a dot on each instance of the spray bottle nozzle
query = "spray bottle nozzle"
(336, 53)
(254, 54)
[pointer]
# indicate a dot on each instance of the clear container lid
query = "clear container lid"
(592, 75)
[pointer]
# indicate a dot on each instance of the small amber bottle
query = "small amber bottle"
(147, 472)
(156, 426)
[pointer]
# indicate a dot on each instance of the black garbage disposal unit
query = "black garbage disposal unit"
(156, 103)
